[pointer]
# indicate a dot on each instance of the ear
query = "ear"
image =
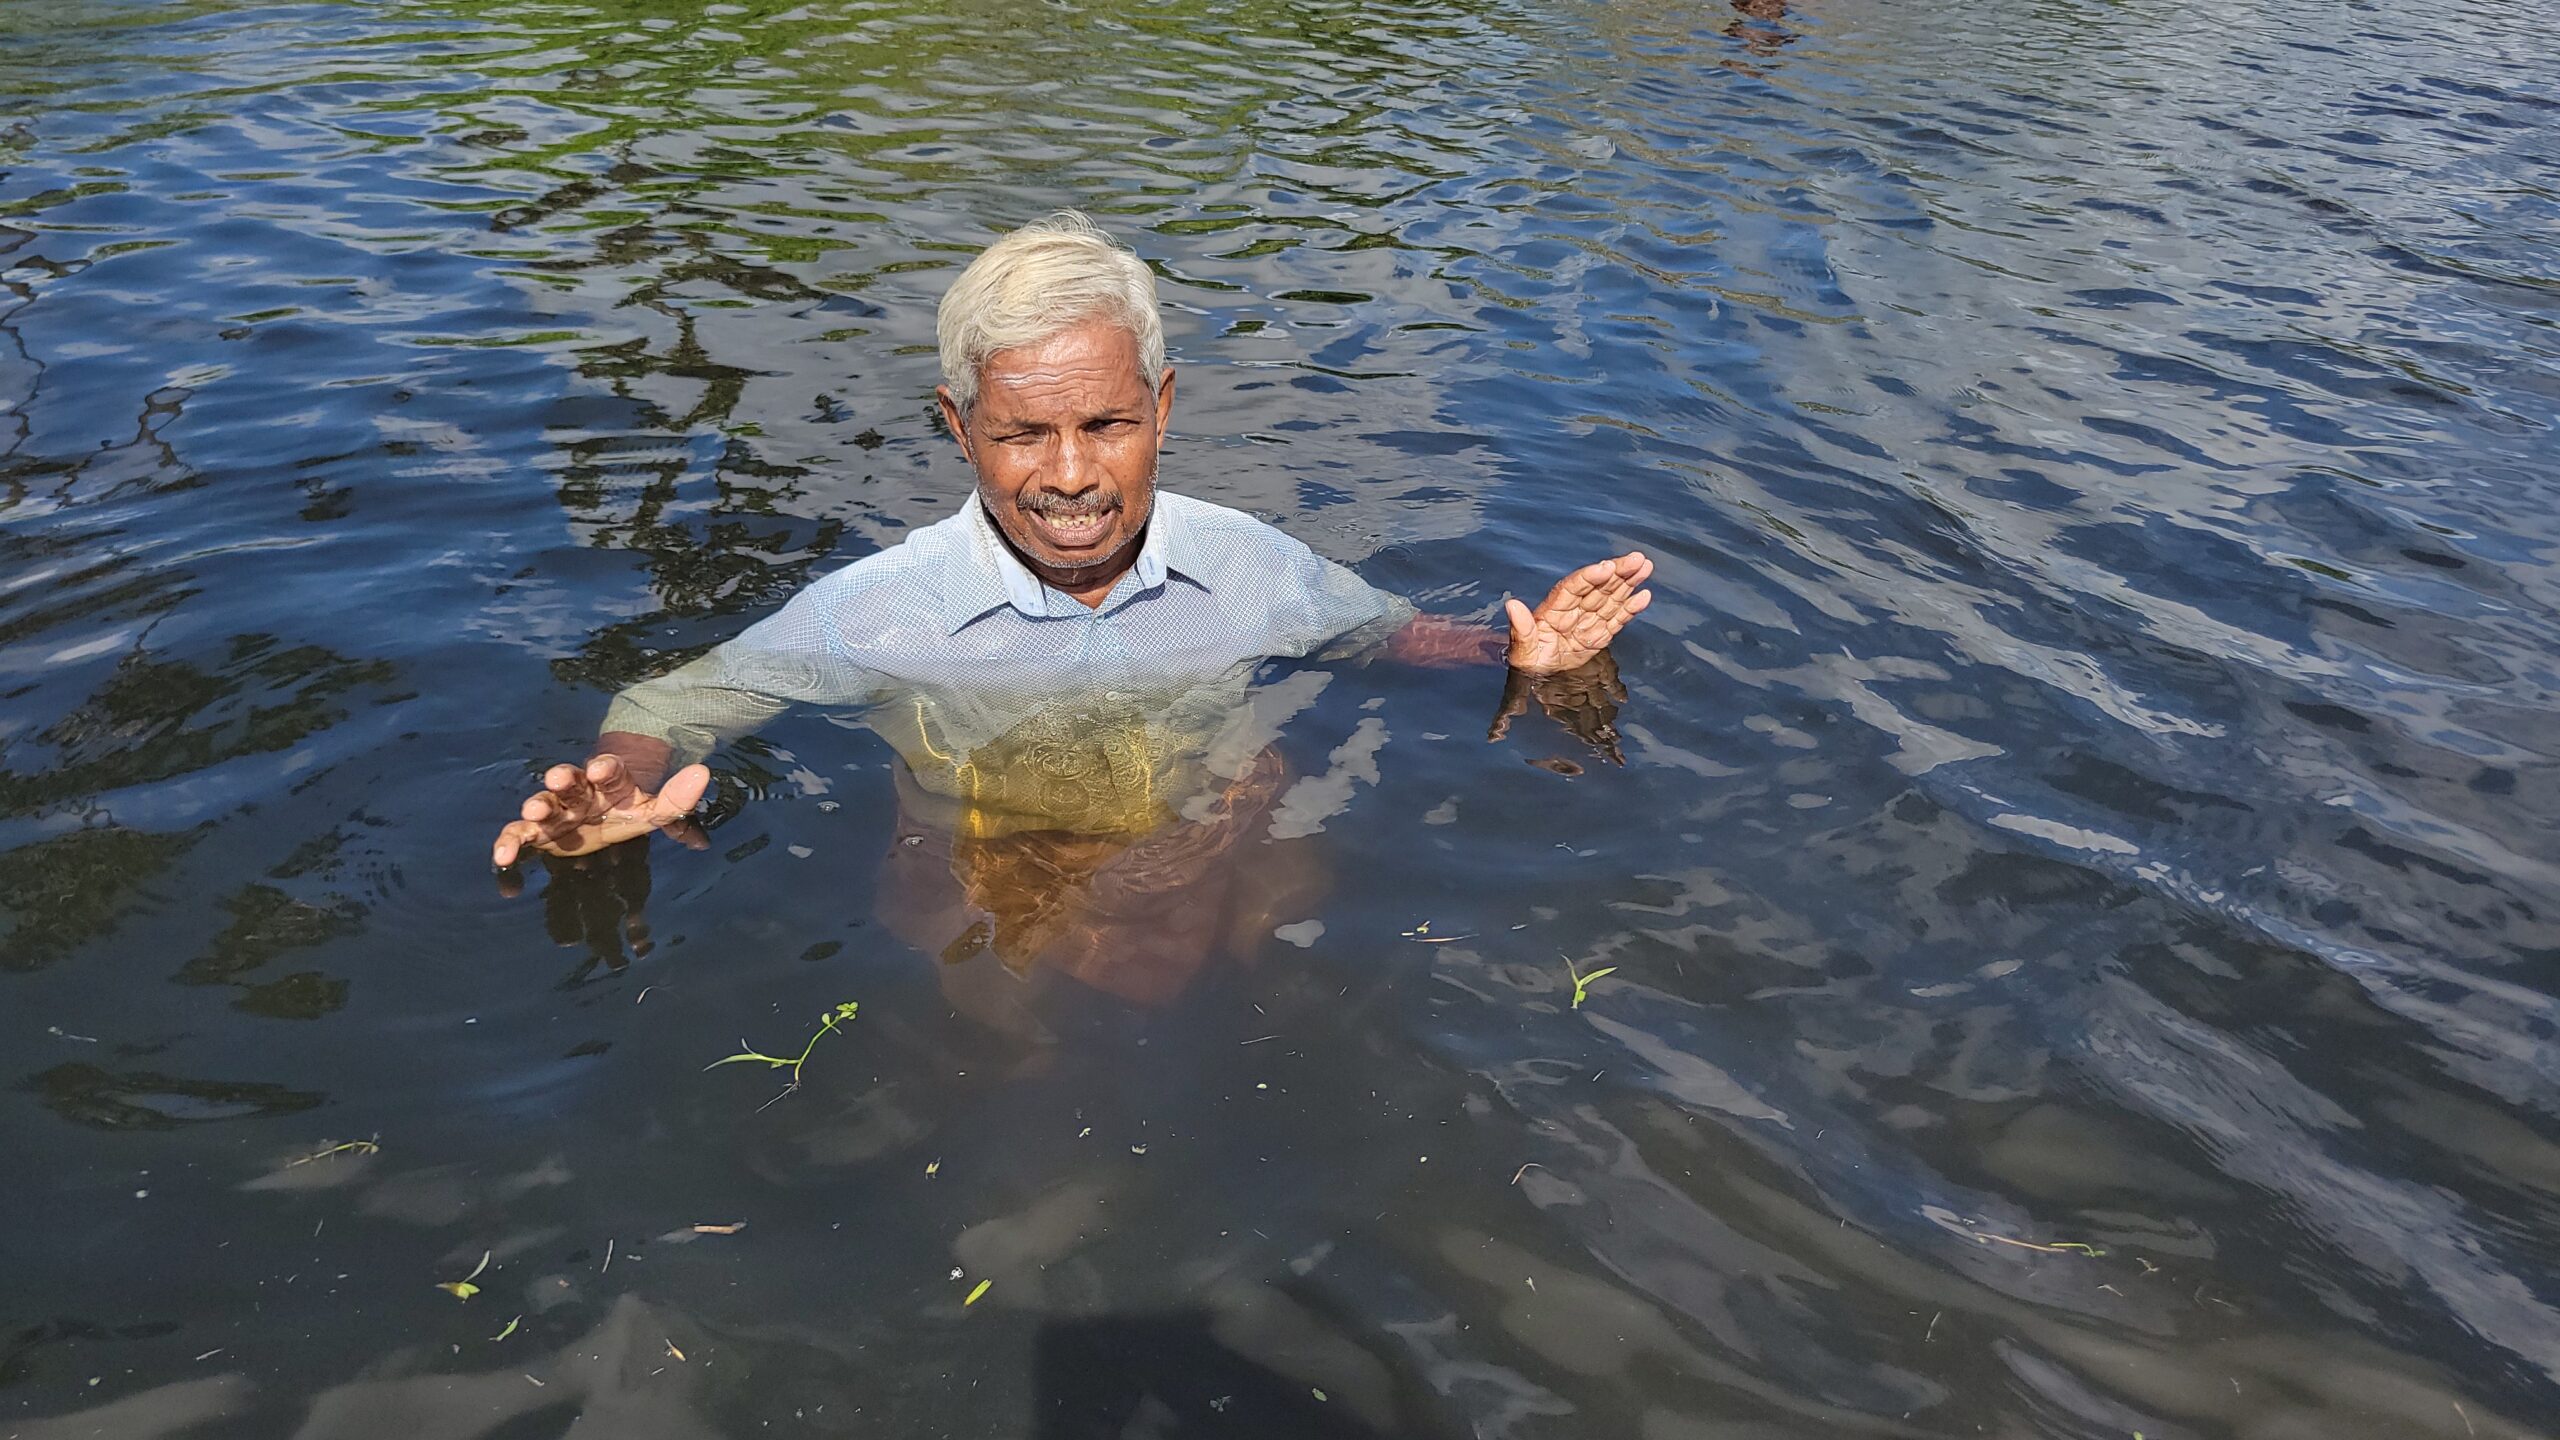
(954, 421)
(1164, 405)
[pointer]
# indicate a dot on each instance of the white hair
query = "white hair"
(1051, 275)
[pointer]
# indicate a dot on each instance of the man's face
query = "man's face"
(1064, 436)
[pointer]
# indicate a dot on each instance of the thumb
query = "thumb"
(680, 794)
(1523, 624)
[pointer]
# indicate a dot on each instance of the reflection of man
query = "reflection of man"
(1062, 664)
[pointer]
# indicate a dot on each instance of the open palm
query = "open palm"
(582, 811)
(1580, 616)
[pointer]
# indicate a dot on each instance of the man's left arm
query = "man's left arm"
(1568, 629)
(1558, 653)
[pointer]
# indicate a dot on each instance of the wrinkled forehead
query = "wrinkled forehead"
(1092, 362)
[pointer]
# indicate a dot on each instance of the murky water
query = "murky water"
(2080, 894)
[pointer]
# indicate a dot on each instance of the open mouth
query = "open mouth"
(1072, 528)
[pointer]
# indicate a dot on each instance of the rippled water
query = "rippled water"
(2081, 892)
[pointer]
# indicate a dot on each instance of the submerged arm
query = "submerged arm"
(631, 783)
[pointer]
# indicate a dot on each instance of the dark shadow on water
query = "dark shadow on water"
(1169, 1376)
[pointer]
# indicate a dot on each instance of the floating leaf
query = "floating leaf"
(982, 1289)
(459, 1289)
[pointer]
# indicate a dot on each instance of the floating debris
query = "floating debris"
(2054, 1249)
(983, 1287)
(731, 1228)
(510, 1330)
(827, 1025)
(463, 1289)
(355, 1147)
(2058, 1248)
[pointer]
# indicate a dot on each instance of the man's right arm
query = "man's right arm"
(633, 782)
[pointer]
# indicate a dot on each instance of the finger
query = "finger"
(1596, 587)
(1523, 624)
(1609, 617)
(1625, 574)
(1566, 592)
(682, 792)
(512, 839)
(551, 822)
(567, 785)
(611, 781)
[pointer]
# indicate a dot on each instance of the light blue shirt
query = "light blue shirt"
(1017, 700)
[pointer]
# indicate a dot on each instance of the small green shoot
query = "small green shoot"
(510, 1330)
(1582, 982)
(2059, 1247)
(351, 1147)
(983, 1286)
(827, 1024)
(463, 1289)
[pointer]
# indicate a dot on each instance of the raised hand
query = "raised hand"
(1580, 616)
(582, 811)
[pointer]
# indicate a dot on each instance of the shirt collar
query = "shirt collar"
(984, 574)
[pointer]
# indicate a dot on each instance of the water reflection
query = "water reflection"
(147, 1099)
(2087, 780)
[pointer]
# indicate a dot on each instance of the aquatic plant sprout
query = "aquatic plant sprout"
(827, 1025)
(1582, 982)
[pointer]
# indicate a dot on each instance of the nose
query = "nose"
(1074, 469)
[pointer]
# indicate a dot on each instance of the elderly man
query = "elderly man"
(1067, 655)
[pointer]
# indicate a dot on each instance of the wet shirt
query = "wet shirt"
(1017, 705)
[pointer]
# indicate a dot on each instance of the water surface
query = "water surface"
(2080, 891)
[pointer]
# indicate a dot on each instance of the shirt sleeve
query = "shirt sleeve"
(785, 659)
(1346, 615)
